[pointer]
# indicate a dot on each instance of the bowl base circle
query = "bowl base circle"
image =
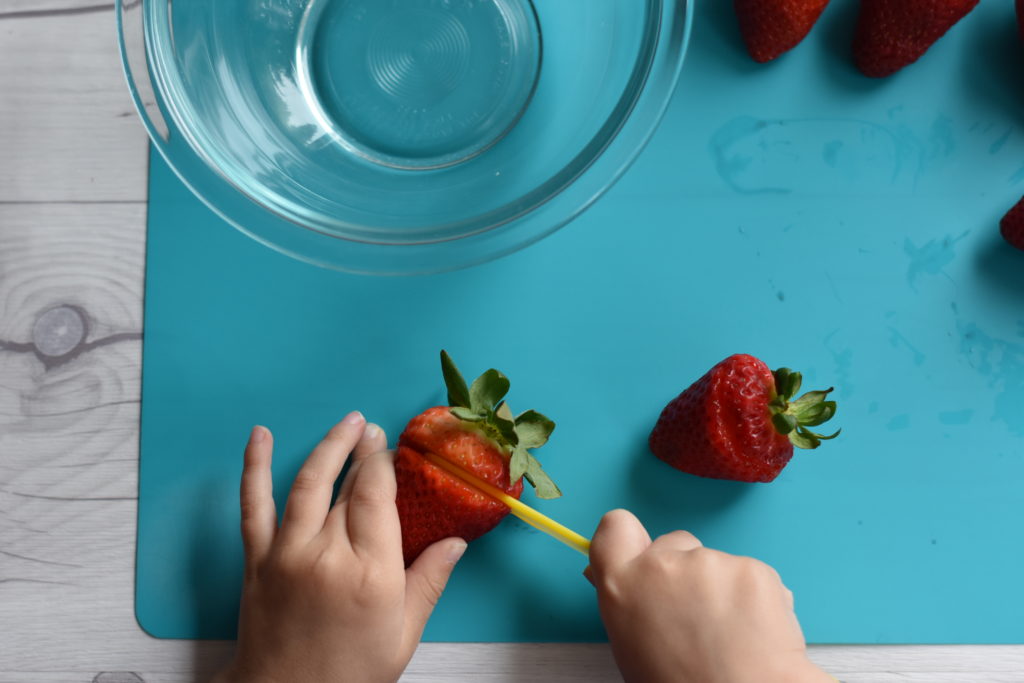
(418, 84)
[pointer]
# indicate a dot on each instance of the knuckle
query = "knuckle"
(690, 538)
(760, 569)
(369, 495)
(770, 574)
(283, 568)
(306, 480)
(706, 562)
(430, 589)
(325, 569)
(376, 587)
(611, 588)
(250, 511)
(757, 573)
(703, 556)
(338, 432)
(660, 564)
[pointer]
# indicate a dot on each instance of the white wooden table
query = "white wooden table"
(72, 236)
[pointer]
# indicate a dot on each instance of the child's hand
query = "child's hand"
(326, 594)
(676, 611)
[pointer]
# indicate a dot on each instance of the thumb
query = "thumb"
(425, 581)
(619, 538)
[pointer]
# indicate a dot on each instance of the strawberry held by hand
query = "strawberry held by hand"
(894, 33)
(478, 433)
(740, 422)
(771, 27)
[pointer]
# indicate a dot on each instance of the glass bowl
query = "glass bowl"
(401, 136)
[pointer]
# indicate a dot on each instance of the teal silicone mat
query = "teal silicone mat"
(796, 211)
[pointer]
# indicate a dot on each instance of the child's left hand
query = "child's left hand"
(326, 595)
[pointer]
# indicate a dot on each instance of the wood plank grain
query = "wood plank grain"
(68, 406)
(68, 130)
(54, 7)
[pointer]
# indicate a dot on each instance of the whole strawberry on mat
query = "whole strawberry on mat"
(1012, 225)
(894, 33)
(740, 421)
(477, 432)
(771, 27)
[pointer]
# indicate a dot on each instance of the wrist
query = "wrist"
(803, 670)
(793, 669)
(815, 674)
(232, 674)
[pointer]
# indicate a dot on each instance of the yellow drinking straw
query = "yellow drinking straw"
(517, 508)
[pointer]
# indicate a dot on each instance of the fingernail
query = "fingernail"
(354, 418)
(258, 434)
(372, 431)
(455, 551)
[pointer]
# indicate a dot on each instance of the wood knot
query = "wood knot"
(59, 331)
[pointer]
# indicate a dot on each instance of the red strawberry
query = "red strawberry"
(1020, 17)
(1012, 225)
(478, 433)
(771, 27)
(894, 33)
(738, 422)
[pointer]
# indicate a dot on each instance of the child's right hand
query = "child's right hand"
(676, 611)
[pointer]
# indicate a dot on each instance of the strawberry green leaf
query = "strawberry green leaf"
(458, 392)
(784, 424)
(824, 414)
(795, 380)
(506, 429)
(518, 463)
(811, 398)
(466, 414)
(533, 429)
(487, 390)
(792, 417)
(804, 414)
(539, 479)
(823, 437)
(801, 438)
(787, 383)
(781, 382)
(504, 412)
